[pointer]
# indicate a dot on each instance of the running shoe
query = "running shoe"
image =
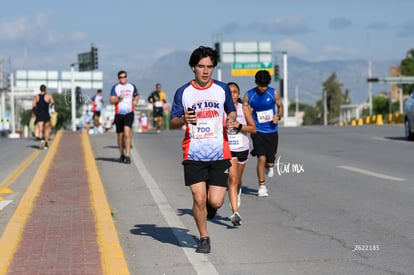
(42, 144)
(122, 158)
(127, 160)
(204, 245)
(262, 192)
(236, 219)
(46, 146)
(211, 211)
(269, 172)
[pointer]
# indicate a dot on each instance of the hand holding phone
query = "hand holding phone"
(191, 112)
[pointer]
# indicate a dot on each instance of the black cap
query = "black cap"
(43, 87)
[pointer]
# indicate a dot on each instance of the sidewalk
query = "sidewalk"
(63, 224)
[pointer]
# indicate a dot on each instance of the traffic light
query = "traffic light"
(281, 88)
(217, 49)
(78, 94)
(94, 53)
(9, 81)
(276, 72)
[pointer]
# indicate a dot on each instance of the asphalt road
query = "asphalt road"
(340, 203)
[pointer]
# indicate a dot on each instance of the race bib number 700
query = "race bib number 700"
(205, 129)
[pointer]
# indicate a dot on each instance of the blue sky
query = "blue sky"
(131, 35)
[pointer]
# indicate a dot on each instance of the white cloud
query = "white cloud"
(36, 31)
(13, 30)
(78, 36)
(285, 25)
(163, 52)
(292, 47)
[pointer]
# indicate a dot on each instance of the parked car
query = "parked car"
(409, 117)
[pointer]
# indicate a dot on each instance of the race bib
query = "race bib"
(205, 129)
(265, 116)
(235, 141)
(158, 104)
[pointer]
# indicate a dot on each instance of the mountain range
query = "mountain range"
(305, 77)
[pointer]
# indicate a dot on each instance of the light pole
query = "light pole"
(285, 87)
(370, 87)
(12, 114)
(73, 96)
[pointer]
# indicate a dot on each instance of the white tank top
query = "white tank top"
(239, 141)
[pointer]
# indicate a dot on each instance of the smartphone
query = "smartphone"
(191, 112)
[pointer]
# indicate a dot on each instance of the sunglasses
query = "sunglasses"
(122, 76)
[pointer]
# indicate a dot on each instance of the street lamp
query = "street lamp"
(73, 96)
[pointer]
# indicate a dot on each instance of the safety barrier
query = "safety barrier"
(393, 118)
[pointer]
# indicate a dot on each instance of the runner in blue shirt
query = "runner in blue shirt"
(267, 110)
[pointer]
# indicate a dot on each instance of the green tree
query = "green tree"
(312, 116)
(407, 69)
(302, 106)
(25, 117)
(335, 98)
(380, 105)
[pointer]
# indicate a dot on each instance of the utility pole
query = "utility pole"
(325, 103)
(370, 87)
(12, 114)
(73, 96)
(297, 99)
(3, 92)
(325, 108)
(285, 88)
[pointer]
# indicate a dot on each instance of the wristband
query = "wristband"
(239, 127)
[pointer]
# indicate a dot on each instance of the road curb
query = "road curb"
(112, 256)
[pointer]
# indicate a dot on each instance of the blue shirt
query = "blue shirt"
(264, 108)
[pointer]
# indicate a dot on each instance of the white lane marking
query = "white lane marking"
(369, 173)
(4, 203)
(200, 262)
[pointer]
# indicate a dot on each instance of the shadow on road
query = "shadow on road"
(249, 191)
(111, 146)
(33, 146)
(400, 138)
(218, 219)
(108, 159)
(165, 234)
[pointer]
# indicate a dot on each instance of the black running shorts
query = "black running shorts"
(158, 111)
(241, 157)
(42, 116)
(123, 120)
(265, 145)
(212, 172)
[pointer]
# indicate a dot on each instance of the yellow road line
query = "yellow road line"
(12, 235)
(16, 173)
(112, 256)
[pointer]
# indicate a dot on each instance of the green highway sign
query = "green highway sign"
(253, 65)
(250, 68)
